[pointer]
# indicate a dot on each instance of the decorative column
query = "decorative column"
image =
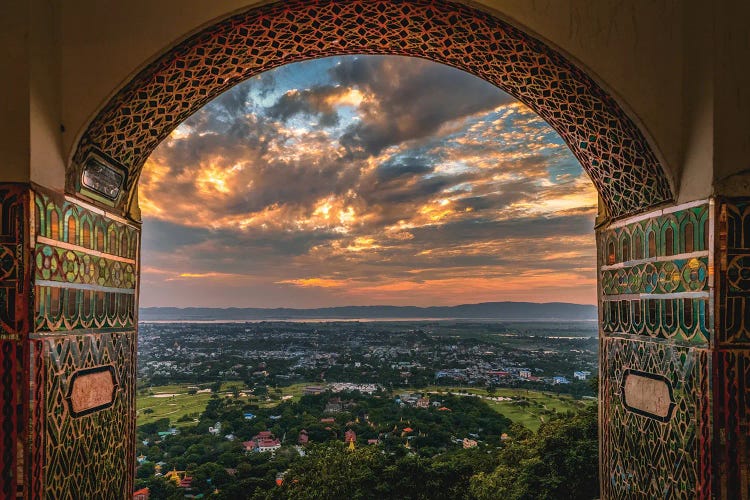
(69, 291)
(674, 358)
(731, 356)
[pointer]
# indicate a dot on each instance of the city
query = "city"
(252, 406)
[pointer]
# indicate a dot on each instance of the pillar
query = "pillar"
(674, 365)
(67, 347)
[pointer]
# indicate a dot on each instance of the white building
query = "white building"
(216, 429)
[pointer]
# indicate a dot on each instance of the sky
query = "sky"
(365, 180)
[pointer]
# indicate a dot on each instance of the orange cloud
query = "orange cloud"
(428, 211)
(315, 283)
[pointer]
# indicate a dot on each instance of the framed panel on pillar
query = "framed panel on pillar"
(656, 295)
(84, 267)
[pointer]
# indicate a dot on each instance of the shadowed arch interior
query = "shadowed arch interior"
(608, 144)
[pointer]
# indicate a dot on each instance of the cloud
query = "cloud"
(315, 283)
(368, 175)
(415, 99)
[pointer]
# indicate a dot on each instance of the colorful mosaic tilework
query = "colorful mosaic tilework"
(732, 401)
(65, 309)
(14, 365)
(84, 276)
(655, 277)
(605, 140)
(656, 292)
(684, 320)
(90, 456)
(681, 232)
(60, 220)
(71, 266)
(85, 268)
(734, 281)
(642, 457)
(680, 275)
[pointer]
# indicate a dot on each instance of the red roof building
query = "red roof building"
(350, 436)
(262, 442)
(141, 494)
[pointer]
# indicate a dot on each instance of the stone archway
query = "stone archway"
(672, 280)
(609, 146)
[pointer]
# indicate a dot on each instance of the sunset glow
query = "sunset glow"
(365, 180)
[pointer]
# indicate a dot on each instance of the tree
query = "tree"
(145, 470)
(330, 471)
(559, 461)
(160, 488)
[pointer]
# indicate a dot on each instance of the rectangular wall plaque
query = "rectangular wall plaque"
(91, 390)
(647, 394)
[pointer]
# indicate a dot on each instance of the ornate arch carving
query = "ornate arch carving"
(608, 144)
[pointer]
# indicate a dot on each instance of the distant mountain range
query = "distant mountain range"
(516, 311)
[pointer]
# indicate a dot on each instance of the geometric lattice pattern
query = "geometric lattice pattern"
(732, 402)
(656, 289)
(732, 371)
(15, 450)
(654, 277)
(609, 146)
(90, 456)
(644, 457)
(735, 280)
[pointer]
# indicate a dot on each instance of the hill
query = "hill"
(506, 311)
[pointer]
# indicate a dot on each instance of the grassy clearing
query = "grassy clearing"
(294, 390)
(174, 401)
(526, 407)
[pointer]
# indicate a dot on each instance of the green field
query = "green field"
(174, 401)
(529, 408)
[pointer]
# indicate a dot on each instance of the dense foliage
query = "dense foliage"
(560, 461)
